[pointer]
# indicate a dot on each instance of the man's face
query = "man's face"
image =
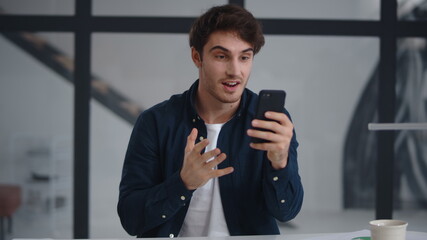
(224, 68)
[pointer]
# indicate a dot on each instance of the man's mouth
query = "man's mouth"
(230, 84)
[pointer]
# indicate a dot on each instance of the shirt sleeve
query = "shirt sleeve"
(282, 188)
(147, 199)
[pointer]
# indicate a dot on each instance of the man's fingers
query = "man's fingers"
(278, 116)
(221, 157)
(201, 145)
(280, 127)
(262, 134)
(191, 142)
(264, 146)
(191, 139)
(208, 155)
(266, 125)
(222, 172)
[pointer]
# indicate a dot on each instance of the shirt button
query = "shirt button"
(275, 178)
(171, 235)
(201, 138)
(282, 201)
(194, 120)
(182, 198)
(163, 216)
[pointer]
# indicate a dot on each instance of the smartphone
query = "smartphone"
(269, 100)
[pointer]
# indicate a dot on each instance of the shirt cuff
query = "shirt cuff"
(178, 193)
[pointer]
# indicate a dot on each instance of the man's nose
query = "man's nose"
(233, 68)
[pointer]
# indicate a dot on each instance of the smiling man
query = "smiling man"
(190, 168)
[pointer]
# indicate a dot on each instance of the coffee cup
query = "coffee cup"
(388, 229)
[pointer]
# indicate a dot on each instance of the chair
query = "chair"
(10, 200)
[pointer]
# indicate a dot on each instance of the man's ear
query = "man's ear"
(197, 58)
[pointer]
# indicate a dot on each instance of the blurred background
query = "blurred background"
(331, 82)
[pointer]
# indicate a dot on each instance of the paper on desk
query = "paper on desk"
(365, 233)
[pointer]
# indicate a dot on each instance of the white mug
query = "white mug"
(388, 229)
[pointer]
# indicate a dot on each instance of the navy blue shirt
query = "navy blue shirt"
(153, 199)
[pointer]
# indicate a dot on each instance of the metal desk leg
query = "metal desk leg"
(9, 218)
(2, 232)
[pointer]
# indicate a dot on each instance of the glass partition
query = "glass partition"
(411, 146)
(131, 72)
(36, 133)
(412, 10)
(325, 78)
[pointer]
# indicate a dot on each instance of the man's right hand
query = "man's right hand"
(196, 171)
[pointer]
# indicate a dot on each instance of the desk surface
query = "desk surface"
(318, 236)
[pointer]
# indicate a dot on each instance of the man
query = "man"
(190, 168)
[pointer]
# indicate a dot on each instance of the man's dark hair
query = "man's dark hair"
(227, 18)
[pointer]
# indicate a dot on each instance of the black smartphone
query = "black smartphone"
(269, 100)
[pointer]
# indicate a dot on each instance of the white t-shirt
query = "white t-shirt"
(205, 216)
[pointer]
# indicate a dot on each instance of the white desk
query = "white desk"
(317, 236)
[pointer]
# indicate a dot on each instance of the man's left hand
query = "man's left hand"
(278, 134)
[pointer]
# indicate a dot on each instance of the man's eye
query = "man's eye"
(220, 56)
(245, 58)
